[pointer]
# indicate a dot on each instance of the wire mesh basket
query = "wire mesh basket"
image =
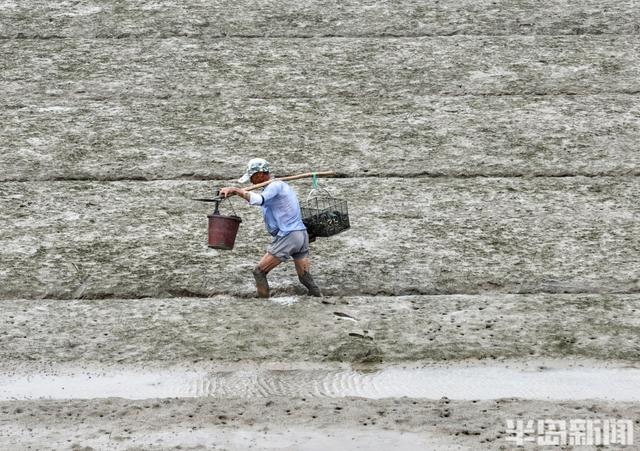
(324, 215)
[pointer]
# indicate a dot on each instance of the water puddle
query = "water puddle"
(464, 382)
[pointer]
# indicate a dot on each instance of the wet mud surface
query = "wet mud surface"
(318, 67)
(407, 236)
(353, 18)
(194, 137)
(296, 423)
(358, 330)
(547, 379)
(453, 106)
(488, 151)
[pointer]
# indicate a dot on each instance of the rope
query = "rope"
(228, 200)
(232, 209)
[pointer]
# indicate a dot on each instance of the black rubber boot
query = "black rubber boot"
(262, 285)
(308, 282)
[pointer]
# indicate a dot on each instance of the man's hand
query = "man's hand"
(227, 191)
(231, 191)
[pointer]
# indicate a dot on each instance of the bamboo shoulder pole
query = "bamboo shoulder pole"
(291, 177)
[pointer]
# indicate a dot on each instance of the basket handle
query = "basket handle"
(315, 188)
(315, 191)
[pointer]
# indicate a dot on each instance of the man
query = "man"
(281, 212)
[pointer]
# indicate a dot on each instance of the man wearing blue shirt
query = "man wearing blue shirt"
(281, 212)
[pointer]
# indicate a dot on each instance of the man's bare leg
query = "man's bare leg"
(266, 264)
(304, 276)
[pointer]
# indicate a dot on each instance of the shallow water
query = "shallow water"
(464, 383)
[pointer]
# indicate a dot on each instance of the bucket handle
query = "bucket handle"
(231, 205)
(217, 212)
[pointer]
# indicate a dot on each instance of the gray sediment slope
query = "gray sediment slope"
(409, 236)
(488, 150)
(182, 107)
(407, 424)
(376, 330)
(79, 136)
(352, 18)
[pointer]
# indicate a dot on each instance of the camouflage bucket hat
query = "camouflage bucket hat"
(254, 165)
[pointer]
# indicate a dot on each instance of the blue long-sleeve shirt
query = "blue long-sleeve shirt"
(280, 208)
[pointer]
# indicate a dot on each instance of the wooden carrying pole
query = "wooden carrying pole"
(291, 177)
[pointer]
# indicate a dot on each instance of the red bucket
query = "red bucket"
(223, 231)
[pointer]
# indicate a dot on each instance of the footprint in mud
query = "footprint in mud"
(345, 316)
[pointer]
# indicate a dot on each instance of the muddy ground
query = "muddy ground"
(186, 108)
(387, 330)
(66, 240)
(352, 18)
(365, 333)
(279, 423)
(488, 151)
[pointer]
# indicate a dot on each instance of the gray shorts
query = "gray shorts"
(295, 244)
